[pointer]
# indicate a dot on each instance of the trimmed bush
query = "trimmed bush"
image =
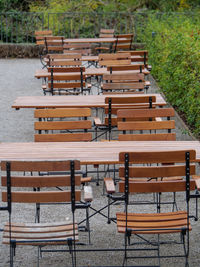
(173, 42)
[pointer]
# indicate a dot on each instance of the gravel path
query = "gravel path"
(17, 79)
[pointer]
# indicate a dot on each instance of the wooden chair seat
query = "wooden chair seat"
(171, 222)
(27, 233)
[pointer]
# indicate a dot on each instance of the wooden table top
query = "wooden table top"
(73, 101)
(88, 152)
(91, 40)
(43, 73)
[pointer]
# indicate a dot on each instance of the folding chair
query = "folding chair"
(40, 36)
(105, 33)
(66, 80)
(115, 103)
(54, 44)
(123, 42)
(64, 60)
(142, 224)
(19, 190)
(129, 80)
(139, 56)
(114, 59)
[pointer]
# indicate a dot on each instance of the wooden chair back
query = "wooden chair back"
(66, 80)
(23, 184)
(84, 49)
(142, 166)
(138, 56)
(106, 33)
(120, 87)
(115, 103)
(133, 120)
(114, 59)
(63, 125)
(40, 35)
(136, 67)
(64, 60)
(54, 44)
(123, 42)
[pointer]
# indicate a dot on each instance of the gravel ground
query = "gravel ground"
(17, 79)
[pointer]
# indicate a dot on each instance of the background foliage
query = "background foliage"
(174, 52)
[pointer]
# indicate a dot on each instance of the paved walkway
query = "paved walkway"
(17, 79)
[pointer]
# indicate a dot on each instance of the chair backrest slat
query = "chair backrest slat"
(25, 176)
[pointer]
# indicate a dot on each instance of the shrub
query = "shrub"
(174, 53)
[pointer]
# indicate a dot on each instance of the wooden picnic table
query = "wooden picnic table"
(88, 152)
(43, 73)
(73, 101)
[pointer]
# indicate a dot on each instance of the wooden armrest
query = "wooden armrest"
(88, 195)
(44, 86)
(197, 181)
(97, 121)
(110, 186)
(101, 48)
(147, 83)
(158, 119)
(86, 180)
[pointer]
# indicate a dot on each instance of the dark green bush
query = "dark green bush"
(174, 53)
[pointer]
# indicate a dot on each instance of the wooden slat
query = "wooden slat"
(65, 63)
(124, 77)
(62, 125)
(66, 69)
(38, 166)
(45, 32)
(129, 100)
(107, 30)
(114, 56)
(65, 56)
(67, 85)
(123, 86)
(158, 156)
(147, 137)
(68, 137)
(109, 184)
(147, 125)
(126, 67)
(159, 112)
(37, 236)
(41, 181)
(156, 171)
(41, 197)
(114, 62)
(68, 76)
(135, 52)
(62, 112)
(156, 186)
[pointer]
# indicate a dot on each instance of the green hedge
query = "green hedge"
(173, 42)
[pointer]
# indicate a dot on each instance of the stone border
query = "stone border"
(8, 50)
